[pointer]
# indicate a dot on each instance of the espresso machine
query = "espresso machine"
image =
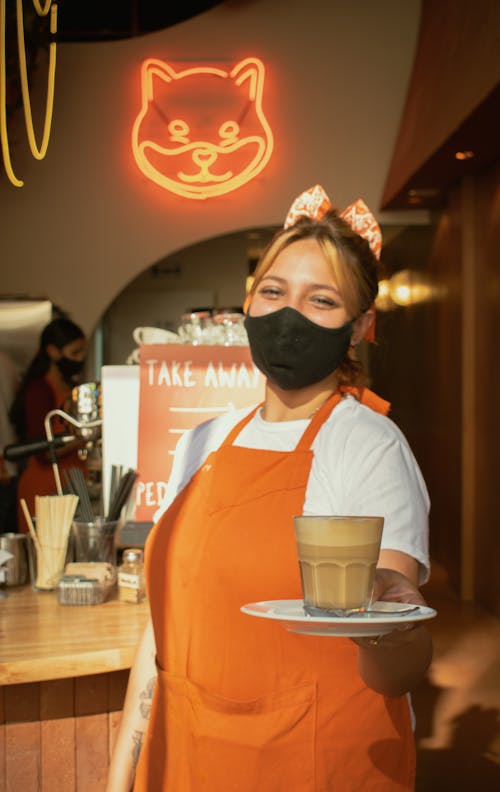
(84, 414)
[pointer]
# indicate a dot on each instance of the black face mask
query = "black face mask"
(294, 352)
(70, 369)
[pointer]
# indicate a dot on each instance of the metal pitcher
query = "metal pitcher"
(17, 566)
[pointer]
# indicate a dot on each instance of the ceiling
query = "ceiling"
(92, 20)
(98, 20)
(473, 147)
(449, 127)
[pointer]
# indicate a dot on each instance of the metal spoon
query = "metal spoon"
(344, 614)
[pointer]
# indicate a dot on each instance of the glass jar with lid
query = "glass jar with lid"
(131, 583)
(196, 328)
(229, 328)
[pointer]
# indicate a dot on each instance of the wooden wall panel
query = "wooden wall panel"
(57, 755)
(487, 519)
(92, 757)
(416, 365)
(57, 699)
(115, 719)
(22, 757)
(91, 693)
(117, 690)
(444, 453)
(2, 743)
(22, 702)
(58, 736)
(438, 364)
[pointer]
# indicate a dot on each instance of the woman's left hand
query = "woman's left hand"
(393, 663)
(392, 586)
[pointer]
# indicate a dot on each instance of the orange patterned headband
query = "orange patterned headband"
(314, 203)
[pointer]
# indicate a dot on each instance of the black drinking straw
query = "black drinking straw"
(80, 488)
(121, 495)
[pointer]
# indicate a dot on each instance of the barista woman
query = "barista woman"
(47, 385)
(221, 701)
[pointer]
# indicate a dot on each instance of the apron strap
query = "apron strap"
(310, 433)
(317, 421)
(369, 399)
(233, 434)
(364, 395)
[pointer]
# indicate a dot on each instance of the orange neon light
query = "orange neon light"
(201, 132)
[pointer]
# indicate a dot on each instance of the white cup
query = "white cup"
(154, 335)
(134, 357)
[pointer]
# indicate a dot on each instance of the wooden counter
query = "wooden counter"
(64, 672)
(41, 639)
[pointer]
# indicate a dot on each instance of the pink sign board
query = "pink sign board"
(181, 386)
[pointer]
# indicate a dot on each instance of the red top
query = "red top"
(37, 478)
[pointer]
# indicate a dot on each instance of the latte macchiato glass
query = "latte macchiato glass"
(337, 559)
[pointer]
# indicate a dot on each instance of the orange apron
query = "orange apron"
(241, 704)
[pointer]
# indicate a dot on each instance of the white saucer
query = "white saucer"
(383, 617)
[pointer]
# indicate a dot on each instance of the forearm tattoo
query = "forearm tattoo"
(137, 738)
(146, 698)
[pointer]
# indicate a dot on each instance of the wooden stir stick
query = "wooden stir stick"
(29, 522)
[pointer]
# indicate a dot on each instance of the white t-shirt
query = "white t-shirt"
(362, 464)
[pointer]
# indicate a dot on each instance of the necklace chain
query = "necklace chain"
(319, 407)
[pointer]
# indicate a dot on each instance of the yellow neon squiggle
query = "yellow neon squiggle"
(42, 11)
(3, 104)
(38, 153)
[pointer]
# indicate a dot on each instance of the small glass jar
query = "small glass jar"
(196, 328)
(131, 584)
(229, 329)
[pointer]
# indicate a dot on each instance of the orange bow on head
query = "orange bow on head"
(315, 203)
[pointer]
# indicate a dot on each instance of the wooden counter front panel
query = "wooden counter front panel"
(57, 736)
(64, 671)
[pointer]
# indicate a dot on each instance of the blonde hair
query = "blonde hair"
(353, 265)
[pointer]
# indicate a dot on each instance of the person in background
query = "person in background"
(218, 700)
(9, 382)
(46, 385)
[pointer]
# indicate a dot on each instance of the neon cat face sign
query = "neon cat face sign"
(201, 132)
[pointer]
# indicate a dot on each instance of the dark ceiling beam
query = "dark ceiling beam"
(452, 100)
(101, 20)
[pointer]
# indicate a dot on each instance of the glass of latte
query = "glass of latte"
(337, 559)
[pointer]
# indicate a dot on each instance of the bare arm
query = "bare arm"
(397, 662)
(135, 716)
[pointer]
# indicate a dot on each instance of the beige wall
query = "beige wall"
(211, 273)
(87, 221)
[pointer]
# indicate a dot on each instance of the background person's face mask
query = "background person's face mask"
(294, 352)
(70, 369)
